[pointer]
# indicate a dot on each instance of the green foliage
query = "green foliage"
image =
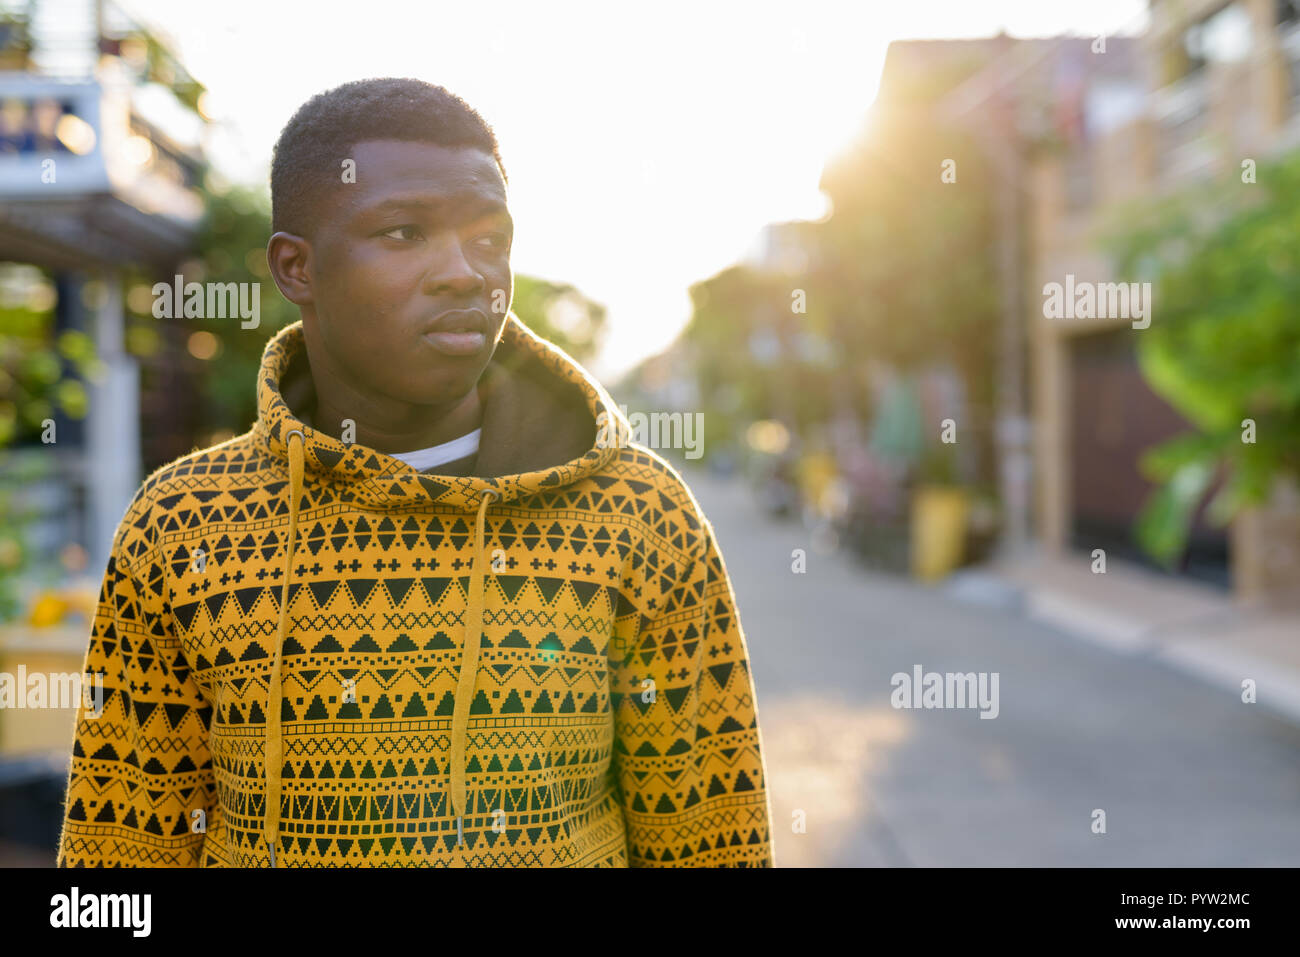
(910, 273)
(1223, 347)
(40, 376)
(38, 373)
(737, 314)
(233, 249)
(19, 469)
(561, 314)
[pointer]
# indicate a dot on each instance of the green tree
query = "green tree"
(560, 313)
(901, 273)
(1223, 347)
(41, 375)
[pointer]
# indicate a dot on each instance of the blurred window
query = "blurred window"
(1288, 22)
(32, 125)
(1222, 37)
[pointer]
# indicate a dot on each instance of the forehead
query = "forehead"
(442, 175)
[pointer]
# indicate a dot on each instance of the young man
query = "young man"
(434, 608)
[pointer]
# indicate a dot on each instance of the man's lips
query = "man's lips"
(458, 332)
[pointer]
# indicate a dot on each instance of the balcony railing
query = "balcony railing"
(1181, 113)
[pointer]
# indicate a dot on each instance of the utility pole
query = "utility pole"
(1013, 428)
(988, 106)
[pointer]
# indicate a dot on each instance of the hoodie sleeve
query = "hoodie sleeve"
(141, 766)
(688, 759)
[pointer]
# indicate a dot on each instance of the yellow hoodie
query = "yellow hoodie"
(289, 679)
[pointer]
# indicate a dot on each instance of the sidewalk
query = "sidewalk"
(1132, 611)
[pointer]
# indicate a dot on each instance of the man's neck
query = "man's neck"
(390, 426)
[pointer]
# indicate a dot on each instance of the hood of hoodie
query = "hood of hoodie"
(546, 424)
(543, 419)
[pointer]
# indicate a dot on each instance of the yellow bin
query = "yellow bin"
(939, 516)
(25, 652)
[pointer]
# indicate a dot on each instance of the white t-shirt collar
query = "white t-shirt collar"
(423, 459)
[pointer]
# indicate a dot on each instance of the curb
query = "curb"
(1277, 686)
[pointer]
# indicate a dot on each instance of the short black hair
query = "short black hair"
(309, 154)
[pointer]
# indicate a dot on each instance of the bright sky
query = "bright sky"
(646, 144)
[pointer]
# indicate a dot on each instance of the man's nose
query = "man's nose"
(448, 267)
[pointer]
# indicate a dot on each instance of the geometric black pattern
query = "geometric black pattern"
(613, 719)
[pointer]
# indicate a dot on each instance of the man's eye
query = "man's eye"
(408, 229)
(495, 240)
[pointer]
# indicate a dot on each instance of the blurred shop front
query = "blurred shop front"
(100, 166)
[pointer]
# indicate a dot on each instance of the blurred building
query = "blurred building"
(100, 168)
(1209, 84)
(1075, 129)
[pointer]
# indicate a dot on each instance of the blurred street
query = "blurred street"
(1187, 775)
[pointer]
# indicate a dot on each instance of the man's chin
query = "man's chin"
(445, 396)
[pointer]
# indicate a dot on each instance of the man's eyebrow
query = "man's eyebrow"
(476, 207)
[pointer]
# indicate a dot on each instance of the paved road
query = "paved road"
(1186, 775)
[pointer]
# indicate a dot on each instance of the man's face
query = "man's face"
(423, 230)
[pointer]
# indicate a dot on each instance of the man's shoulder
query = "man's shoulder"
(659, 484)
(200, 473)
(205, 469)
(646, 469)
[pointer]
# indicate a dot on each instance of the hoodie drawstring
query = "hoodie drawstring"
(468, 673)
(274, 741)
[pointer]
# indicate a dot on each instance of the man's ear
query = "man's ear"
(289, 258)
